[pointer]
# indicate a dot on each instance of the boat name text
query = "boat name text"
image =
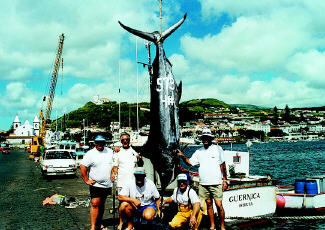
(243, 197)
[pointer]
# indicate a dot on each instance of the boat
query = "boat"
(246, 196)
(306, 196)
(79, 154)
(69, 146)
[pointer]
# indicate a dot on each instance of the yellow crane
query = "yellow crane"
(38, 141)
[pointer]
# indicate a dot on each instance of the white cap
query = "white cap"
(182, 176)
(207, 132)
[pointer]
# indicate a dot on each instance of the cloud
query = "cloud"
(17, 95)
(309, 67)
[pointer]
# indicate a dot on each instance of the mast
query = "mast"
(136, 59)
(119, 97)
(160, 11)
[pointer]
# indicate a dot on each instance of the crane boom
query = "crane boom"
(50, 98)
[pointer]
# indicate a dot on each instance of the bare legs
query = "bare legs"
(96, 211)
(221, 213)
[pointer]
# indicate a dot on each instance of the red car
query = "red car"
(5, 150)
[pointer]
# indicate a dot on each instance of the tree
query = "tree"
(286, 114)
(275, 115)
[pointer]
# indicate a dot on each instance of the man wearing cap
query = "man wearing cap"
(188, 205)
(139, 197)
(213, 175)
(125, 160)
(98, 161)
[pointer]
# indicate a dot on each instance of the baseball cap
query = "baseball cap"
(139, 171)
(100, 138)
(182, 176)
(207, 132)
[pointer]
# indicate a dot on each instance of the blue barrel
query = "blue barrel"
(300, 186)
(311, 187)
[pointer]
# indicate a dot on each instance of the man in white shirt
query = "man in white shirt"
(139, 197)
(188, 205)
(125, 160)
(213, 175)
(98, 161)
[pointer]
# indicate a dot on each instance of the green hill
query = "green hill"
(103, 115)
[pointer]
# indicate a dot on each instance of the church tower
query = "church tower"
(36, 124)
(16, 123)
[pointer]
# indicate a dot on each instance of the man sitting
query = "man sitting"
(140, 196)
(189, 213)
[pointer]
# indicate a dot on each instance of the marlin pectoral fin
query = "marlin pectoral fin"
(141, 34)
(171, 29)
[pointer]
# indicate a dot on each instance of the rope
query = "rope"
(277, 217)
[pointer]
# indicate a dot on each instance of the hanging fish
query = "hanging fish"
(165, 95)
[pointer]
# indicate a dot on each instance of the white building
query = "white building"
(23, 133)
(99, 101)
(266, 128)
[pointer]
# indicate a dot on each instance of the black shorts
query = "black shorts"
(99, 192)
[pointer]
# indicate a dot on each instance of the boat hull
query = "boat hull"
(289, 201)
(250, 201)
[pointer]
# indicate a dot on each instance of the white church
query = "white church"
(22, 134)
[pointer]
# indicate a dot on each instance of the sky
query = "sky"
(266, 53)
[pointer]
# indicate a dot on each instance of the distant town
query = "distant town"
(229, 123)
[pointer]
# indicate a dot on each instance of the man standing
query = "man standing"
(98, 161)
(125, 160)
(188, 205)
(213, 175)
(139, 197)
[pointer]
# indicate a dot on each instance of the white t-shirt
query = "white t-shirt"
(146, 194)
(209, 160)
(125, 159)
(182, 198)
(100, 165)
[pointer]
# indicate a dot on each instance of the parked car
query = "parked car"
(5, 150)
(58, 162)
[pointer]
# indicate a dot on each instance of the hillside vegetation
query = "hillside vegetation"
(102, 115)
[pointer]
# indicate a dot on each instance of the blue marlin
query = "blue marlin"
(165, 95)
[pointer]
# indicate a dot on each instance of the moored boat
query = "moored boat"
(307, 196)
(246, 196)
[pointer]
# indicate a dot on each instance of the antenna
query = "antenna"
(160, 11)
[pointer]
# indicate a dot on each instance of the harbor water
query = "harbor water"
(285, 162)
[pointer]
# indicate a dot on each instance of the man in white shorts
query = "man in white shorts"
(189, 214)
(213, 175)
(139, 197)
(125, 160)
(98, 161)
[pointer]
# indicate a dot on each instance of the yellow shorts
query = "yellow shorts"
(210, 191)
(183, 217)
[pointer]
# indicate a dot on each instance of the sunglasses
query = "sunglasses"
(182, 182)
(126, 139)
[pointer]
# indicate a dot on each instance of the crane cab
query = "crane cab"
(36, 146)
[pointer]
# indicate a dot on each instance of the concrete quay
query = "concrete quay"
(23, 189)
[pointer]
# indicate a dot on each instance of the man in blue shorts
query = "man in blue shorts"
(99, 162)
(139, 196)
